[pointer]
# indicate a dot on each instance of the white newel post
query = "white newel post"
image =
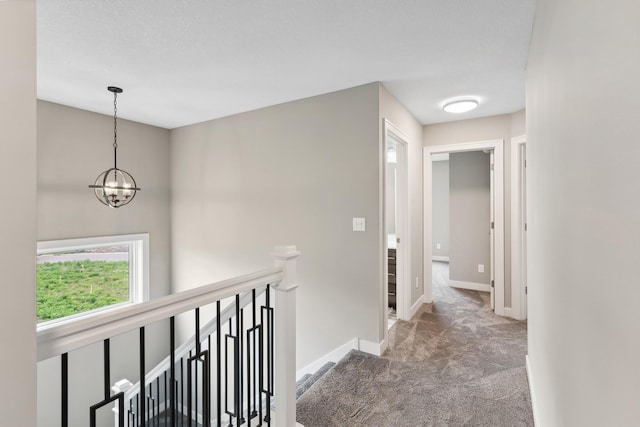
(122, 385)
(285, 337)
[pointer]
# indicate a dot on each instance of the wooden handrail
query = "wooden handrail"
(62, 338)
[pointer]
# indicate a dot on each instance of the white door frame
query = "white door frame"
(498, 146)
(492, 232)
(518, 238)
(403, 248)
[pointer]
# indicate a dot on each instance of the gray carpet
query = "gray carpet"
(454, 364)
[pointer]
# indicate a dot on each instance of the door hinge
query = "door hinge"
(397, 240)
(491, 166)
(525, 226)
(493, 284)
(526, 290)
(492, 225)
(525, 163)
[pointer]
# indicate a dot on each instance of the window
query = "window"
(79, 277)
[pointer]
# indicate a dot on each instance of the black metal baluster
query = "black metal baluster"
(235, 377)
(250, 359)
(166, 395)
(218, 366)
(182, 392)
(64, 410)
(253, 390)
(269, 356)
(157, 408)
(237, 365)
(195, 385)
(141, 409)
(261, 364)
(107, 368)
(208, 389)
(189, 389)
(172, 377)
(106, 363)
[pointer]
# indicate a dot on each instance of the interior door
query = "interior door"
(492, 229)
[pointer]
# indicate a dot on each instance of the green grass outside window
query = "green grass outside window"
(72, 287)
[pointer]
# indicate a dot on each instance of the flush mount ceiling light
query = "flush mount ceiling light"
(115, 187)
(460, 105)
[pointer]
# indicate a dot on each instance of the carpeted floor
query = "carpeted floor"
(454, 364)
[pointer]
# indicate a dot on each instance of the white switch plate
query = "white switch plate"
(359, 224)
(480, 268)
(437, 245)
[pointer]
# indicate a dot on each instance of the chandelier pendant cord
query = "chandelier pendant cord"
(115, 130)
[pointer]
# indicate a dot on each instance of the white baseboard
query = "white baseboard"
(415, 307)
(333, 356)
(372, 348)
(472, 286)
(508, 312)
(440, 258)
(534, 404)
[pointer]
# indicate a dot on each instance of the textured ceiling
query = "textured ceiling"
(187, 61)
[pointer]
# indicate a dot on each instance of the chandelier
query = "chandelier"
(115, 187)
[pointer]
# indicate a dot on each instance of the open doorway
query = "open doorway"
(396, 224)
(462, 242)
(493, 225)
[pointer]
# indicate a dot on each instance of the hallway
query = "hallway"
(454, 364)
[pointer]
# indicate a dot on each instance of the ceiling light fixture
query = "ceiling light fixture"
(115, 187)
(459, 106)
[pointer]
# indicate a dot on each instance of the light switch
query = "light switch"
(359, 224)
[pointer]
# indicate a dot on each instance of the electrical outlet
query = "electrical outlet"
(437, 245)
(359, 224)
(480, 268)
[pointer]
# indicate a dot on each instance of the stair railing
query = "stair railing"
(274, 374)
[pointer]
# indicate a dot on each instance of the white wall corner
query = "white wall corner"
(534, 405)
(333, 356)
(372, 348)
(415, 307)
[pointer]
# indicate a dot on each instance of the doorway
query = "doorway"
(462, 239)
(519, 285)
(396, 224)
(495, 226)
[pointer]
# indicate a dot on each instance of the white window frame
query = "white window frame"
(138, 269)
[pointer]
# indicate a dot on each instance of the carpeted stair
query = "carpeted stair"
(305, 383)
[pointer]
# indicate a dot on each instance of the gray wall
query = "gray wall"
(469, 216)
(440, 194)
(295, 173)
(18, 217)
(583, 213)
(503, 127)
(74, 146)
(392, 110)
